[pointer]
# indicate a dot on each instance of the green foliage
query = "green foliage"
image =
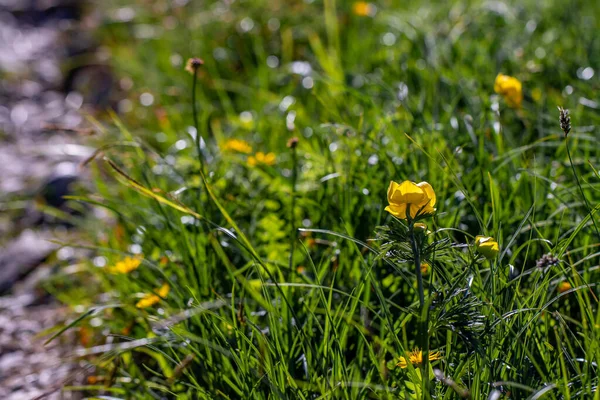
(306, 288)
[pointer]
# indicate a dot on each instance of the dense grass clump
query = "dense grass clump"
(252, 254)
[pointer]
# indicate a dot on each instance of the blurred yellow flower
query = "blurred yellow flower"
(163, 291)
(418, 197)
(563, 287)
(487, 246)
(510, 88)
(126, 265)
(151, 299)
(425, 267)
(241, 146)
(262, 158)
(415, 357)
(363, 9)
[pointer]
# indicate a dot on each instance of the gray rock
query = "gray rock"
(19, 256)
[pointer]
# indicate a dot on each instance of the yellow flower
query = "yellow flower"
(563, 287)
(151, 299)
(163, 291)
(415, 357)
(487, 246)
(425, 267)
(510, 88)
(421, 227)
(363, 9)
(262, 158)
(126, 265)
(419, 197)
(238, 145)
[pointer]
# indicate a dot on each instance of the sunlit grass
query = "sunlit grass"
(286, 277)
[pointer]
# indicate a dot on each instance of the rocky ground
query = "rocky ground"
(51, 75)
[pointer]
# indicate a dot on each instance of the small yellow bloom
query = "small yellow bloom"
(563, 287)
(425, 267)
(363, 9)
(262, 158)
(126, 265)
(415, 357)
(238, 145)
(164, 290)
(418, 197)
(421, 227)
(148, 301)
(510, 88)
(487, 246)
(151, 299)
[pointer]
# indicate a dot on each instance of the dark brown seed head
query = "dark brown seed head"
(565, 120)
(193, 64)
(292, 143)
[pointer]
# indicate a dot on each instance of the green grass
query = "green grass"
(290, 280)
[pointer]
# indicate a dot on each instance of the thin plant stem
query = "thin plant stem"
(195, 114)
(585, 200)
(423, 314)
(292, 241)
(206, 228)
(293, 208)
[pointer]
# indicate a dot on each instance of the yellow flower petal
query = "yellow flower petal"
(416, 358)
(510, 88)
(563, 287)
(126, 265)
(420, 198)
(429, 193)
(363, 9)
(391, 189)
(487, 246)
(398, 211)
(408, 192)
(148, 301)
(238, 145)
(163, 291)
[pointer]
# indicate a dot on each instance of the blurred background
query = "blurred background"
(51, 74)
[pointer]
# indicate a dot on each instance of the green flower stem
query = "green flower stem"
(423, 314)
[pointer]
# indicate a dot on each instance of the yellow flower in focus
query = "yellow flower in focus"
(563, 287)
(510, 88)
(151, 299)
(262, 158)
(126, 265)
(241, 146)
(487, 246)
(418, 197)
(363, 9)
(415, 357)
